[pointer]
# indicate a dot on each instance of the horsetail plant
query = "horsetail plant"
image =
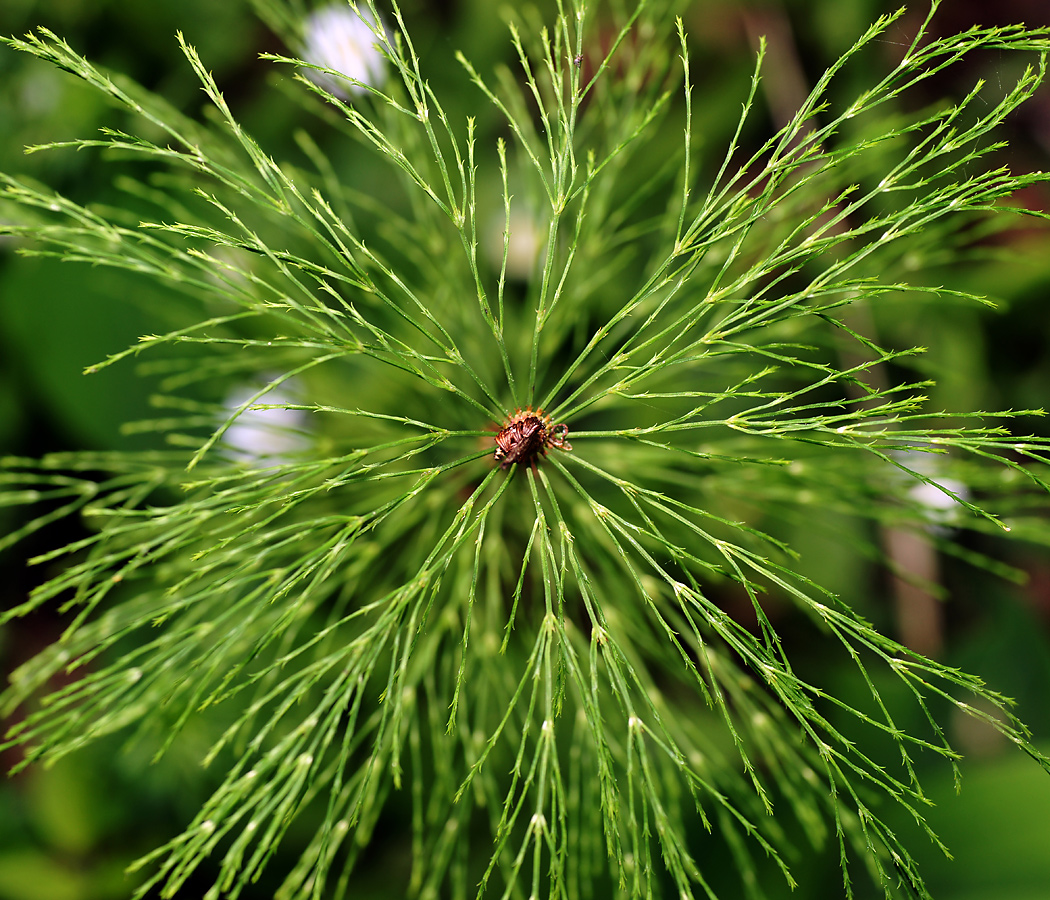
(527, 639)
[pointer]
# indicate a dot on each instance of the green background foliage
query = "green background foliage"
(71, 829)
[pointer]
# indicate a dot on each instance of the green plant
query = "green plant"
(539, 652)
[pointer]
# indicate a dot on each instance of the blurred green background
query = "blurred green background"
(67, 833)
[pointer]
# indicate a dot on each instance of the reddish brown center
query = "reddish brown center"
(521, 441)
(525, 438)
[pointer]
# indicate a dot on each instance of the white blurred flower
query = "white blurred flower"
(340, 39)
(941, 509)
(524, 243)
(265, 436)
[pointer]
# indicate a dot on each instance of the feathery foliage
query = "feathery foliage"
(540, 654)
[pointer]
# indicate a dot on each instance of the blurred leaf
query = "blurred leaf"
(55, 321)
(997, 829)
(28, 874)
(67, 807)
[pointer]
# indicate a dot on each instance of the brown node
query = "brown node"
(525, 437)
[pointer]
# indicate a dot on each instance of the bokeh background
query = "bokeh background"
(67, 833)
